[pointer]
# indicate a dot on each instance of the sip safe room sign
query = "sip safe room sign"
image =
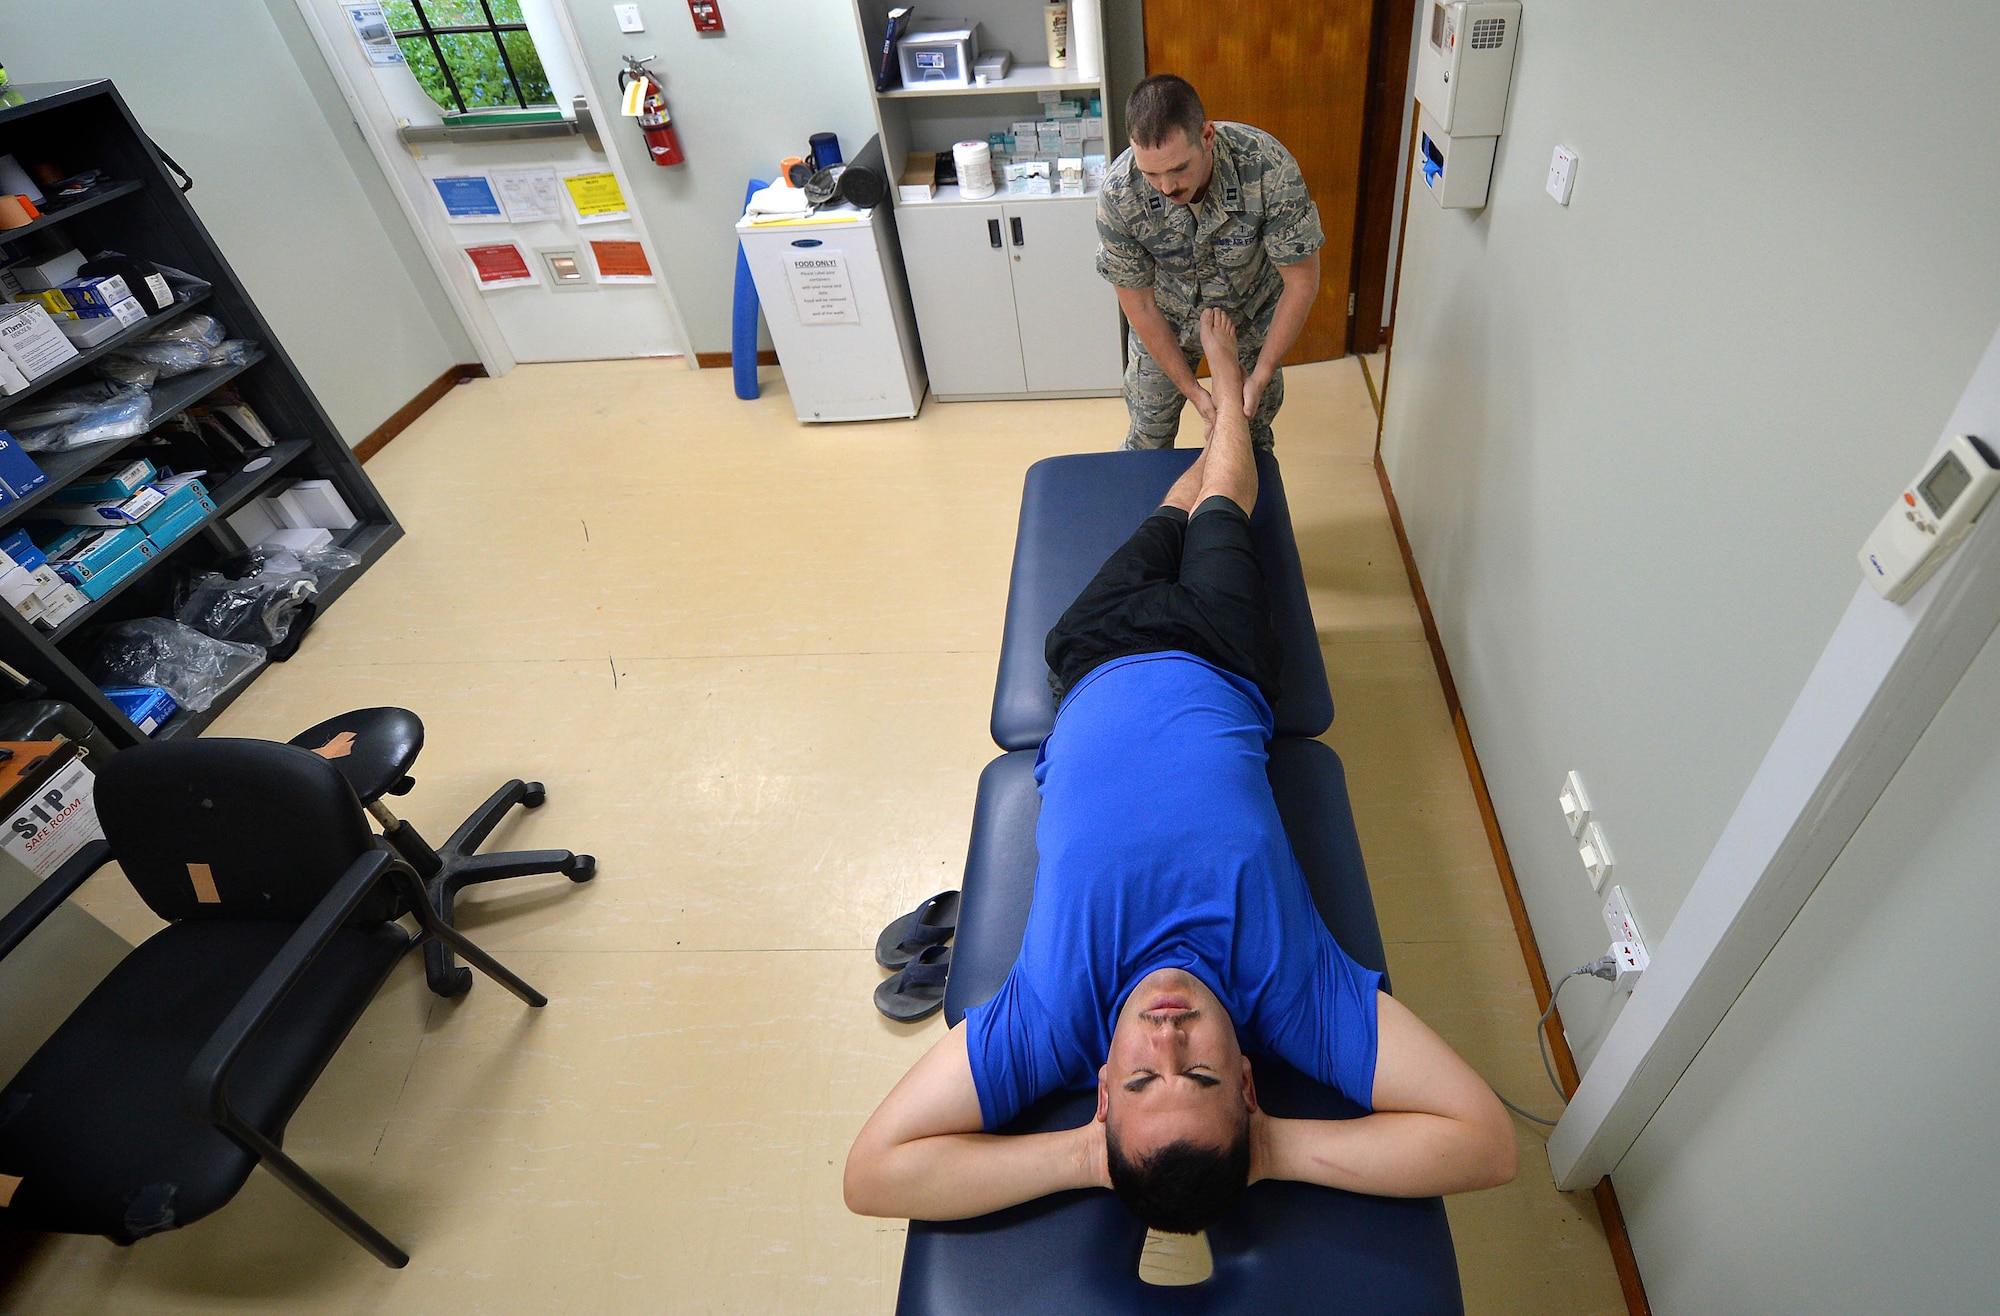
(56, 817)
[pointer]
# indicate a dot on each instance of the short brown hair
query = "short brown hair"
(1160, 104)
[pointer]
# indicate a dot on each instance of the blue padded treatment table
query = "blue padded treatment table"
(1289, 1247)
(1077, 510)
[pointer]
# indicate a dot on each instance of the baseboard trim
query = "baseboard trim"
(716, 360)
(1608, 1209)
(406, 415)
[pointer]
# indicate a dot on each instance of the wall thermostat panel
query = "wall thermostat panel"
(1929, 518)
(1465, 64)
(565, 268)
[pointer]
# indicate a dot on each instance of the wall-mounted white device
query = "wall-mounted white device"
(1929, 518)
(1465, 64)
(1595, 852)
(564, 266)
(1575, 802)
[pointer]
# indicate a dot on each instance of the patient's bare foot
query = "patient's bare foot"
(1218, 341)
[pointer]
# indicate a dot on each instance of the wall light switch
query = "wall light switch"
(1575, 804)
(1562, 174)
(1595, 852)
(628, 18)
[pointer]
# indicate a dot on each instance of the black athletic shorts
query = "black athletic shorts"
(1191, 584)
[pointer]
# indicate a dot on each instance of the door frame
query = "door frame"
(406, 180)
(1384, 127)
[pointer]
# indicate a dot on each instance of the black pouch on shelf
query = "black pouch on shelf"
(145, 280)
(34, 716)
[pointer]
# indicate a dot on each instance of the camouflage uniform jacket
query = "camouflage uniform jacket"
(1225, 252)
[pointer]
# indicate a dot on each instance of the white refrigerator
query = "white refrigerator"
(833, 293)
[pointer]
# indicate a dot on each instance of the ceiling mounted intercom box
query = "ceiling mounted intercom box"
(1465, 65)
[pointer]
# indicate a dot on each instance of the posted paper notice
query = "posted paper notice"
(595, 197)
(530, 195)
(620, 261)
(821, 291)
(468, 199)
(372, 30)
(500, 265)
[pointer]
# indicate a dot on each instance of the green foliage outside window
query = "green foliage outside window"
(473, 57)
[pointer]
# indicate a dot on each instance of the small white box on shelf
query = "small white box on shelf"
(323, 504)
(296, 541)
(253, 522)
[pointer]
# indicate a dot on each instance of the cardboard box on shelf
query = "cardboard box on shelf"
(253, 522)
(296, 541)
(19, 475)
(322, 505)
(31, 340)
(31, 275)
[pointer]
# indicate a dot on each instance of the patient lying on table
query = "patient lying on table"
(1171, 925)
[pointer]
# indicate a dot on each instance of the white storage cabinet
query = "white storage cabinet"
(1008, 299)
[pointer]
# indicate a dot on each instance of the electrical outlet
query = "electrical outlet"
(1632, 962)
(1595, 852)
(1618, 920)
(1575, 804)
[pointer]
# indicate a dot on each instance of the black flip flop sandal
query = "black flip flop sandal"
(929, 924)
(917, 990)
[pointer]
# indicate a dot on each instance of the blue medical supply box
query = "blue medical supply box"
(185, 508)
(96, 560)
(19, 476)
(109, 482)
(148, 706)
(22, 550)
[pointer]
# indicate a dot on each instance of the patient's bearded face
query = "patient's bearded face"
(1175, 1070)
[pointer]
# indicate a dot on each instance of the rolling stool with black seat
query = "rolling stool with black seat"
(374, 749)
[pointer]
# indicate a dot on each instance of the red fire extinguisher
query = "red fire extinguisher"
(654, 118)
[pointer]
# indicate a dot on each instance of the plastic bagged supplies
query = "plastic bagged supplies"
(192, 667)
(257, 609)
(88, 413)
(181, 346)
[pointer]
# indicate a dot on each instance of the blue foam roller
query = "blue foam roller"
(743, 338)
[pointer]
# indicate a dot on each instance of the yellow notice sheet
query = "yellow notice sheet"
(595, 197)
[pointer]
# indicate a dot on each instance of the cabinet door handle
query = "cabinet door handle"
(993, 233)
(1015, 220)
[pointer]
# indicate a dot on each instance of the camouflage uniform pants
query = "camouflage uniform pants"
(1156, 404)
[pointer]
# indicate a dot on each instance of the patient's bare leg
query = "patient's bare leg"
(1227, 465)
(1186, 493)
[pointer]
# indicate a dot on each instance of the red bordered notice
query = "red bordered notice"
(500, 265)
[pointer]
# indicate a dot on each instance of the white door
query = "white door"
(1068, 316)
(607, 313)
(963, 289)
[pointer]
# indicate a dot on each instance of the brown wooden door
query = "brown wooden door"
(1298, 69)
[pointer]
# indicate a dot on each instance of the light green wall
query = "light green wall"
(234, 91)
(1637, 441)
(1832, 1148)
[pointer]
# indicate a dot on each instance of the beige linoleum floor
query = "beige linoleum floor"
(753, 662)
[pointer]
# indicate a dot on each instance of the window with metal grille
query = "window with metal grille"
(1487, 33)
(470, 54)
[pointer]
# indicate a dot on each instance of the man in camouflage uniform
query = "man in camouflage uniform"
(1197, 214)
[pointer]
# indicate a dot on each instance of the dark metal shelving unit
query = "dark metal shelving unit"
(86, 125)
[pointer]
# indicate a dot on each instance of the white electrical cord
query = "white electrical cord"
(1605, 967)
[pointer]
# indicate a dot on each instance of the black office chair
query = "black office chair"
(148, 1107)
(374, 748)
